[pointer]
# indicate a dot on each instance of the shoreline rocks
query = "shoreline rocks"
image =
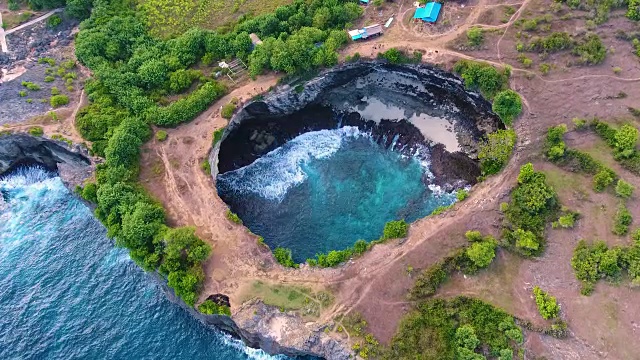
(340, 96)
(72, 165)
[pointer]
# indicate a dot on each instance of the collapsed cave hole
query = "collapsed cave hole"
(363, 144)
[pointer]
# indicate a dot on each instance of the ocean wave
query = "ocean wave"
(251, 353)
(272, 175)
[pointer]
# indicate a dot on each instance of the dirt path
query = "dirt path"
(34, 21)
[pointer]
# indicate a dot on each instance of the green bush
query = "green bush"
(337, 257)
(161, 135)
(395, 56)
(496, 150)
(395, 230)
(54, 21)
(59, 100)
(35, 131)
(554, 144)
(217, 136)
(47, 60)
(596, 261)
(283, 256)
(432, 331)
(622, 220)
(187, 108)
(547, 305)
(208, 307)
(508, 105)
(624, 189)
(227, 110)
(475, 36)
(591, 50)
(555, 42)
(602, 179)
(533, 203)
(233, 217)
(55, 91)
(482, 253)
(566, 221)
(482, 76)
(462, 194)
(428, 282)
(31, 86)
(22, 93)
(626, 139)
(49, 78)
(633, 11)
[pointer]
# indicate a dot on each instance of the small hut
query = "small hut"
(366, 32)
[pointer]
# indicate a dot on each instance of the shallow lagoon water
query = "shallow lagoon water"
(323, 190)
(67, 293)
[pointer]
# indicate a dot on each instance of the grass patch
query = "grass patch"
(288, 298)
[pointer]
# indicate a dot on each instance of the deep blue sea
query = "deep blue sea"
(67, 293)
(323, 190)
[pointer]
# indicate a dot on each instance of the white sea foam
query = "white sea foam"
(254, 354)
(272, 175)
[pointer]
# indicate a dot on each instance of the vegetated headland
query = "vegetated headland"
(513, 268)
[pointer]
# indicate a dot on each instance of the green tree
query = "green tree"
(602, 179)
(508, 105)
(626, 138)
(482, 253)
(283, 256)
(496, 150)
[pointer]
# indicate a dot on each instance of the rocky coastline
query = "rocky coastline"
(340, 97)
(72, 164)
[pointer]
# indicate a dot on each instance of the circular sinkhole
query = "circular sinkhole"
(315, 169)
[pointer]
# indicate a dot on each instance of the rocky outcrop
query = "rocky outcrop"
(341, 96)
(266, 327)
(72, 165)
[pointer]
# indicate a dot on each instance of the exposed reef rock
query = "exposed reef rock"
(408, 108)
(17, 150)
(266, 327)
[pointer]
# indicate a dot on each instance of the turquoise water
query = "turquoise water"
(67, 293)
(323, 190)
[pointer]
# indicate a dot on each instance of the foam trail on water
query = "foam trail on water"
(272, 175)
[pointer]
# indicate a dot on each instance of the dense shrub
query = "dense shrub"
(59, 100)
(533, 202)
(283, 256)
(508, 105)
(209, 307)
(337, 257)
(439, 329)
(596, 261)
(495, 151)
(547, 305)
(622, 220)
(475, 36)
(395, 230)
(554, 145)
(36, 131)
(633, 11)
(591, 50)
(557, 41)
(482, 76)
(481, 253)
(602, 179)
(187, 108)
(624, 189)
(567, 220)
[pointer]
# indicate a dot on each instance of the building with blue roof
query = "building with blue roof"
(428, 13)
